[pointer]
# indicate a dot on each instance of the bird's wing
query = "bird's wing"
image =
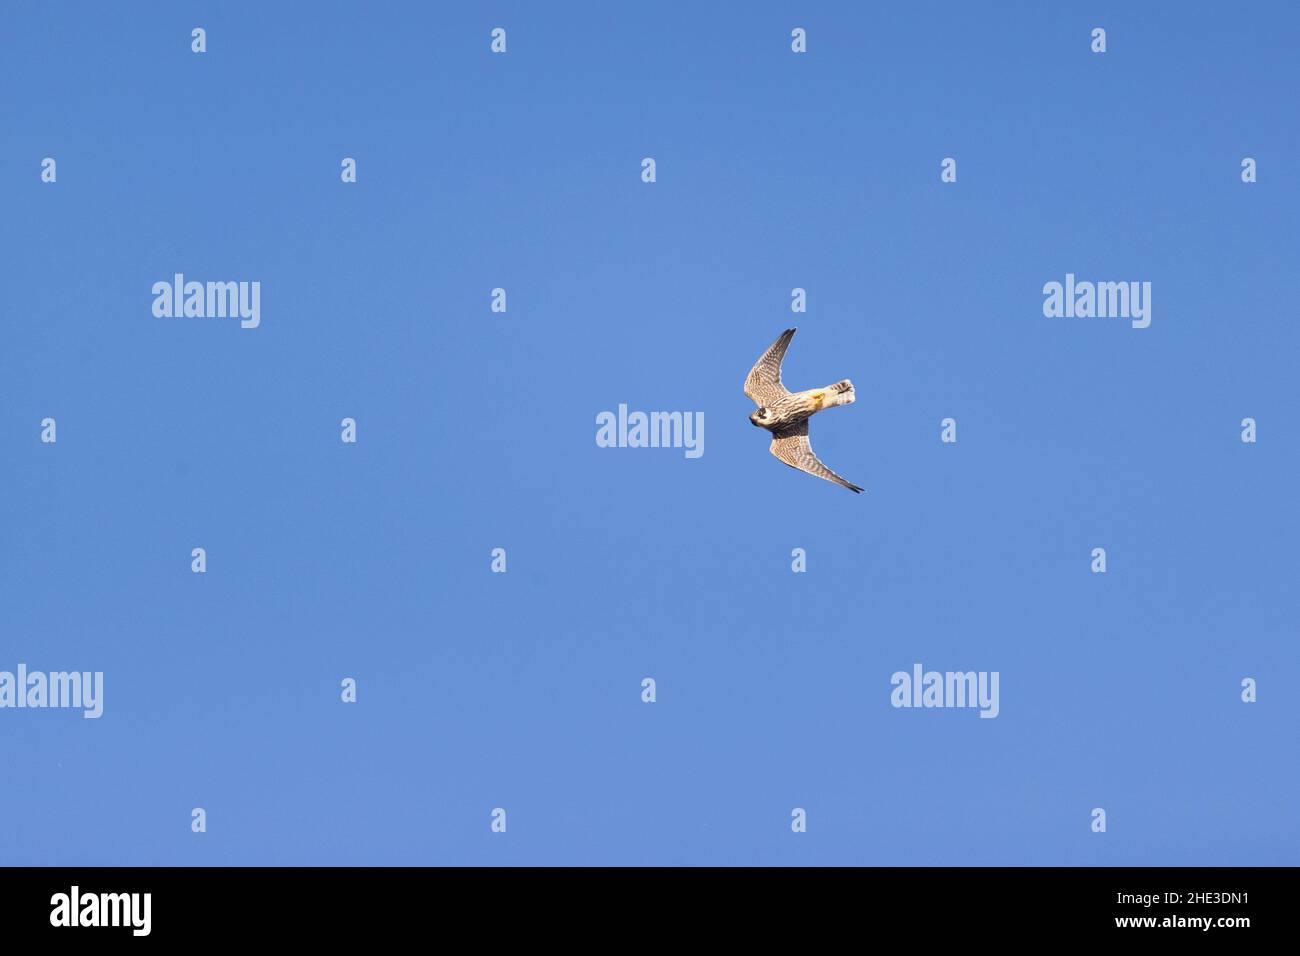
(763, 383)
(791, 445)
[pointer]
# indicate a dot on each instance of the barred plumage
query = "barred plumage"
(785, 414)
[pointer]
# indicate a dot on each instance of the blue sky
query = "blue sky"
(476, 431)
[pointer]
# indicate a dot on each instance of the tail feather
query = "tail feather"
(842, 393)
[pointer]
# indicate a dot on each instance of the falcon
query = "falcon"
(785, 414)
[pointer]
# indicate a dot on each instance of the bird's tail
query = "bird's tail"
(841, 393)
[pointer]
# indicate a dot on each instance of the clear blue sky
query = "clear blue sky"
(476, 430)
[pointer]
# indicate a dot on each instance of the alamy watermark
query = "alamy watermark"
(38, 689)
(209, 300)
(1102, 300)
(76, 908)
(922, 688)
(652, 430)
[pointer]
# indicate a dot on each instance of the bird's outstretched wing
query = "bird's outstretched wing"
(763, 383)
(792, 446)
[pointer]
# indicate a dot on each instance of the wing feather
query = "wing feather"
(763, 384)
(793, 447)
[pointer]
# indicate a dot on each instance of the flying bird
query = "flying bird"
(785, 414)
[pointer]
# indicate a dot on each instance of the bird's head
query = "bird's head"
(762, 417)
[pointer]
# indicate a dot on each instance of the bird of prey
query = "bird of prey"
(785, 414)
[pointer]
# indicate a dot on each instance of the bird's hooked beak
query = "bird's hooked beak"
(753, 419)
